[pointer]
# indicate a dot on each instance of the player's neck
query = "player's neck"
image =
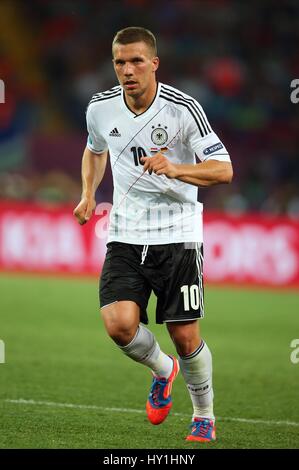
(139, 104)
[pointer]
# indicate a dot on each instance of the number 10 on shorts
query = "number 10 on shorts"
(191, 297)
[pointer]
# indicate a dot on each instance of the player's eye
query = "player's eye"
(137, 60)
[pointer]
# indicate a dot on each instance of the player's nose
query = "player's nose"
(128, 70)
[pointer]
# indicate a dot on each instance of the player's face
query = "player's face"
(135, 67)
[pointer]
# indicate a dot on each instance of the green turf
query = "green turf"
(57, 351)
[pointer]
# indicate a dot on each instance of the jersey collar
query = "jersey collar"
(151, 106)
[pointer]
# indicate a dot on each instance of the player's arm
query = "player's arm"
(206, 173)
(200, 140)
(93, 169)
(201, 174)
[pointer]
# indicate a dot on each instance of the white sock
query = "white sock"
(144, 349)
(197, 372)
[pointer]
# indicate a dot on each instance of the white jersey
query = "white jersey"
(150, 209)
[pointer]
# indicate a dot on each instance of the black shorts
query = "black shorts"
(173, 272)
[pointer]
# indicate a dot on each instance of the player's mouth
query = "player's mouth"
(130, 84)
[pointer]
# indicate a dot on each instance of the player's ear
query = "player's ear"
(155, 62)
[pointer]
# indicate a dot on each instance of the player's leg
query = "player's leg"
(196, 365)
(180, 305)
(121, 320)
(124, 295)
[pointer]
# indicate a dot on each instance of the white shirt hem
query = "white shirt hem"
(160, 241)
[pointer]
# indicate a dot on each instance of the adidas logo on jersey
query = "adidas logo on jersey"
(115, 133)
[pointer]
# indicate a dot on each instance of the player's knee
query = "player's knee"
(122, 337)
(184, 349)
(121, 334)
(121, 324)
(184, 345)
(185, 342)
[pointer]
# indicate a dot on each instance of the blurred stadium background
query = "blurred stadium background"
(238, 59)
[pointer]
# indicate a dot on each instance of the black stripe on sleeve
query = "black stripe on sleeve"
(104, 98)
(110, 92)
(218, 154)
(186, 106)
(194, 105)
(106, 93)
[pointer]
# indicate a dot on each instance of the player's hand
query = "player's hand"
(84, 209)
(160, 165)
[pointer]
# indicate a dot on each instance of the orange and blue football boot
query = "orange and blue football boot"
(202, 430)
(159, 400)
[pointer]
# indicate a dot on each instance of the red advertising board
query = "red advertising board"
(257, 249)
(252, 249)
(48, 239)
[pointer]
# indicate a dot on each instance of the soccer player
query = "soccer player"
(154, 133)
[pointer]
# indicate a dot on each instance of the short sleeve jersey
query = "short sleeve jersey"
(152, 209)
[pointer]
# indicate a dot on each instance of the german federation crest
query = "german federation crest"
(159, 136)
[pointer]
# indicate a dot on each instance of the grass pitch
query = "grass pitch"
(65, 384)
